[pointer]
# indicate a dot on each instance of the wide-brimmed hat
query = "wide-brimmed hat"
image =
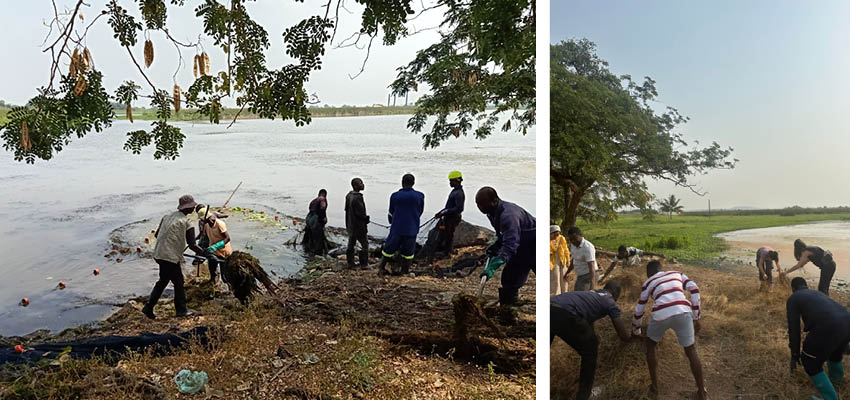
(186, 202)
(554, 228)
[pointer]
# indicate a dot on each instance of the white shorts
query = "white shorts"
(682, 324)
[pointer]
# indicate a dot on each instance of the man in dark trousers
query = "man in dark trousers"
(317, 217)
(828, 325)
(514, 243)
(571, 317)
(450, 215)
(356, 222)
(406, 206)
(173, 234)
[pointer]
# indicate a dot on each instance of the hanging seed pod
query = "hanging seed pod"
(87, 58)
(148, 53)
(129, 113)
(176, 98)
(81, 86)
(415, 86)
(456, 131)
(82, 18)
(26, 144)
(195, 67)
(200, 64)
(473, 78)
(206, 63)
(74, 67)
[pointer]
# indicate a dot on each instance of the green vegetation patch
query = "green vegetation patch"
(687, 238)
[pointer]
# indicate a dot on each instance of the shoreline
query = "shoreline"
(401, 326)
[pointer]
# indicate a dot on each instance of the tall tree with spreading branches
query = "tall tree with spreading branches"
(485, 57)
(607, 139)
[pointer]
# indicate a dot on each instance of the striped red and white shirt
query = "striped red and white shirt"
(667, 289)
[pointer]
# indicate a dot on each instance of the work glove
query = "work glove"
(795, 359)
(493, 266)
(217, 246)
(494, 246)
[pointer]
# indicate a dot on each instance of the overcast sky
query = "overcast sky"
(769, 78)
(26, 68)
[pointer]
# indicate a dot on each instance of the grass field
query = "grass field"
(743, 346)
(227, 114)
(687, 238)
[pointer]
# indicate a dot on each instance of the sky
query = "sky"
(771, 79)
(22, 25)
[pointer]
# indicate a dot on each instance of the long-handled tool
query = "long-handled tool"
(483, 280)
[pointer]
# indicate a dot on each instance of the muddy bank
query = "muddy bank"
(336, 333)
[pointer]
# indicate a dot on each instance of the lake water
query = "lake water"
(832, 236)
(58, 216)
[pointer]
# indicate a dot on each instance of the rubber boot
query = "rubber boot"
(824, 386)
(836, 372)
(507, 296)
(405, 266)
(382, 268)
(364, 259)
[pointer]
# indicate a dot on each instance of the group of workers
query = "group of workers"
(512, 247)
(573, 313)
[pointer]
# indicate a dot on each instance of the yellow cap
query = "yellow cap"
(455, 175)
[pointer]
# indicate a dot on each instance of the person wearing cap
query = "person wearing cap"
(216, 233)
(513, 246)
(583, 260)
(356, 223)
(450, 215)
(174, 233)
(559, 258)
(406, 207)
(317, 218)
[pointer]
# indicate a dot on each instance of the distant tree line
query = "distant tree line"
(785, 212)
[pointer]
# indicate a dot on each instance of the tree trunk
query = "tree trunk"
(572, 200)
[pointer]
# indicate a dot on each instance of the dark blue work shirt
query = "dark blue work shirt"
(406, 206)
(589, 304)
(454, 205)
(515, 228)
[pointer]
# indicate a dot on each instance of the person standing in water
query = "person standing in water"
(819, 257)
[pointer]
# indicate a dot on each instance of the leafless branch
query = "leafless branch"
(132, 57)
(368, 51)
(236, 116)
(336, 21)
(66, 33)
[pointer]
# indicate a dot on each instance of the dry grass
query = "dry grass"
(326, 341)
(743, 346)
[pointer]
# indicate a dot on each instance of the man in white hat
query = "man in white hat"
(559, 259)
(174, 233)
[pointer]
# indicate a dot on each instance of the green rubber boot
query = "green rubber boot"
(836, 372)
(823, 386)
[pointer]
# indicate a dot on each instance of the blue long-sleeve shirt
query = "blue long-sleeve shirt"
(515, 228)
(454, 204)
(406, 206)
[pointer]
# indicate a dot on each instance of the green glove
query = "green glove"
(215, 247)
(493, 266)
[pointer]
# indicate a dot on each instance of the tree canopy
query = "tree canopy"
(670, 205)
(485, 56)
(607, 139)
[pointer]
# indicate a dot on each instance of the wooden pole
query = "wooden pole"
(231, 195)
